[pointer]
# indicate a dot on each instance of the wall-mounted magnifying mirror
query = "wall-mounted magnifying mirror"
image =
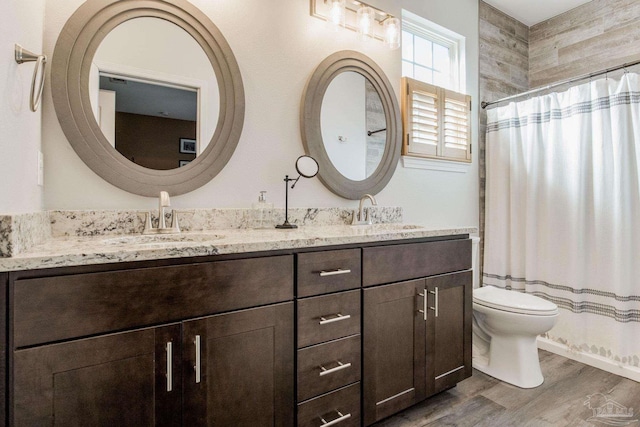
(168, 55)
(151, 101)
(350, 122)
(307, 166)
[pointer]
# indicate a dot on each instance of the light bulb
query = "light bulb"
(392, 32)
(366, 19)
(337, 14)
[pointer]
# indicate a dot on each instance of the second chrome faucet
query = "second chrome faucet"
(360, 217)
(163, 202)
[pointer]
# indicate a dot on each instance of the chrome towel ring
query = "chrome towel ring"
(23, 55)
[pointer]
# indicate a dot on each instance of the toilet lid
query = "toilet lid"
(513, 301)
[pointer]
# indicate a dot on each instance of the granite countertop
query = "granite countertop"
(73, 251)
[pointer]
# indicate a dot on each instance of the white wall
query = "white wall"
(20, 128)
(278, 45)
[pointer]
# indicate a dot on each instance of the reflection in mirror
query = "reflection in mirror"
(152, 86)
(149, 118)
(353, 125)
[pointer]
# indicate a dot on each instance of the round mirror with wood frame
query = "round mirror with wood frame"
(310, 124)
(70, 74)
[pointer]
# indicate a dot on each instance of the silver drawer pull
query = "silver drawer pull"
(324, 371)
(340, 418)
(198, 362)
(435, 292)
(169, 349)
(335, 272)
(338, 317)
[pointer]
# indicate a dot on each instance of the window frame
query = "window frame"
(433, 32)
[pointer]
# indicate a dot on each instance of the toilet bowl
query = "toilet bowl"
(505, 327)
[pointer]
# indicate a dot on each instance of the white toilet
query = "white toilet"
(506, 325)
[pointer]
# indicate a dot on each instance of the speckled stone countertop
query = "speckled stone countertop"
(69, 238)
(71, 251)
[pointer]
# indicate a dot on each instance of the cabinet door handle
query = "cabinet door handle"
(340, 418)
(424, 304)
(434, 292)
(169, 349)
(335, 272)
(336, 318)
(198, 361)
(324, 371)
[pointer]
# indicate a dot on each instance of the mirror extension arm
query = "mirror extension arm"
(307, 167)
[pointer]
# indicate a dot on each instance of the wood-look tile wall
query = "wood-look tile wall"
(504, 69)
(592, 37)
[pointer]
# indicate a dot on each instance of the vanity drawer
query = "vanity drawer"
(328, 317)
(62, 307)
(343, 404)
(328, 271)
(340, 360)
(395, 263)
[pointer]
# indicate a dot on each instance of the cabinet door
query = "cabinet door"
(113, 380)
(393, 349)
(448, 330)
(3, 345)
(239, 368)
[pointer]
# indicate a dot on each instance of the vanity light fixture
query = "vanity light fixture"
(392, 32)
(366, 20)
(337, 14)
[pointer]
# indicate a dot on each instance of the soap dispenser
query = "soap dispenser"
(261, 214)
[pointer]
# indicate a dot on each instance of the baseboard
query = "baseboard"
(631, 372)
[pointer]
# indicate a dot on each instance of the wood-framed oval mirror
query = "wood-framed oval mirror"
(73, 72)
(350, 123)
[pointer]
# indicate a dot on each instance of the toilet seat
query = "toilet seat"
(513, 301)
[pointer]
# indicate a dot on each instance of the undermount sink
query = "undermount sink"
(149, 239)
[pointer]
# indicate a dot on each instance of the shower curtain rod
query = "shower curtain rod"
(485, 104)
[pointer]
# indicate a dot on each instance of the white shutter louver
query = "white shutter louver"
(457, 126)
(437, 122)
(424, 122)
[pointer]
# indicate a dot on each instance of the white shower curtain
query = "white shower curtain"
(563, 211)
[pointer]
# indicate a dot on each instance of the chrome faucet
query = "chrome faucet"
(163, 202)
(360, 218)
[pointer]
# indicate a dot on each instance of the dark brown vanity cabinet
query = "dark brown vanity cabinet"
(416, 333)
(238, 368)
(393, 351)
(329, 340)
(4, 277)
(367, 331)
(235, 368)
(448, 330)
(119, 379)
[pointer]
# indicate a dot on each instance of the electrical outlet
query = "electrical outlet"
(40, 169)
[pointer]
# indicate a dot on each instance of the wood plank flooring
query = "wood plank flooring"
(484, 401)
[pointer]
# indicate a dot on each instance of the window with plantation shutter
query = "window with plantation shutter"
(437, 122)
